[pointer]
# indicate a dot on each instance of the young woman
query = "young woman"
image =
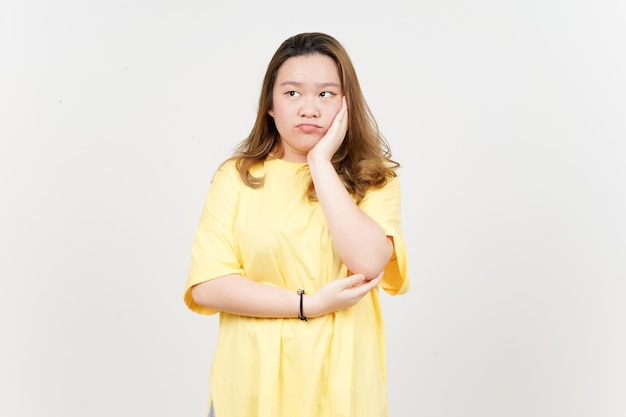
(299, 230)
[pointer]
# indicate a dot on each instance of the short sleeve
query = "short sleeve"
(383, 206)
(213, 252)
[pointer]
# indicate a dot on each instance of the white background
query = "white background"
(508, 119)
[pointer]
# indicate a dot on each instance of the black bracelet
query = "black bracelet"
(301, 315)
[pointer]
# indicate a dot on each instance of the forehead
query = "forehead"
(315, 68)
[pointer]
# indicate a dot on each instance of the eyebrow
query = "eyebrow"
(319, 85)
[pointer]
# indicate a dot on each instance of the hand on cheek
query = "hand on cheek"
(330, 142)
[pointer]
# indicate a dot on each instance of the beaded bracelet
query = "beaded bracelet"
(301, 315)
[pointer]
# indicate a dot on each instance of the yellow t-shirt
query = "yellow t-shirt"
(330, 366)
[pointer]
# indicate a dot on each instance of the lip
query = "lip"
(308, 127)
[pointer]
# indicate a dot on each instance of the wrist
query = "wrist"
(301, 314)
(311, 307)
(318, 163)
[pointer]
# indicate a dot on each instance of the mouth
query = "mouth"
(308, 128)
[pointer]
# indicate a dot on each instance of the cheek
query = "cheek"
(274, 107)
(278, 111)
(334, 110)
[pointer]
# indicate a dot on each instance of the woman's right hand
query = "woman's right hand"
(339, 294)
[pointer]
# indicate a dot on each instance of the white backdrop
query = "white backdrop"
(508, 118)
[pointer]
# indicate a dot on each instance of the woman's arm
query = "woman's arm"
(361, 242)
(239, 295)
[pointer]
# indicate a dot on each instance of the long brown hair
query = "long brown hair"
(364, 158)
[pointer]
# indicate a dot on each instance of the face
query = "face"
(306, 97)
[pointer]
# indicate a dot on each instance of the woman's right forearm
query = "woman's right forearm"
(242, 296)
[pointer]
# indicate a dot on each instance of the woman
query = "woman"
(299, 229)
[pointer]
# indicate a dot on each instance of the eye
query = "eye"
(292, 93)
(326, 94)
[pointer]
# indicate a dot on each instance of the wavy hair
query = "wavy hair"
(363, 160)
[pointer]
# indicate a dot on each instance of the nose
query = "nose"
(309, 108)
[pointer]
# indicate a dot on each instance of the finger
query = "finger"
(355, 280)
(344, 107)
(343, 112)
(371, 284)
(339, 121)
(340, 117)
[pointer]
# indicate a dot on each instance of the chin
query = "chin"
(308, 144)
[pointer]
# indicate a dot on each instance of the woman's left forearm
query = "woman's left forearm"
(361, 243)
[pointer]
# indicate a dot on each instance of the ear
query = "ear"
(271, 113)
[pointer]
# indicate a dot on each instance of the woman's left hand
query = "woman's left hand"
(332, 140)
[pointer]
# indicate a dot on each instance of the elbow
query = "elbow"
(195, 295)
(372, 264)
(201, 295)
(211, 293)
(372, 273)
(371, 268)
